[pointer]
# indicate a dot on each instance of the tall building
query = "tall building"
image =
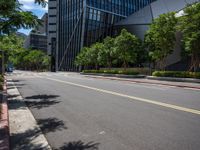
(37, 39)
(74, 24)
(83, 22)
(52, 28)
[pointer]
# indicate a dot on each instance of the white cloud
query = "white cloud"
(30, 5)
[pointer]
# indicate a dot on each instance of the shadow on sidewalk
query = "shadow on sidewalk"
(35, 101)
(27, 140)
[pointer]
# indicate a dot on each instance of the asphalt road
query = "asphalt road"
(82, 113)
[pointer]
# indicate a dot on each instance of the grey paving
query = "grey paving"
(25, 134)
(76, 118)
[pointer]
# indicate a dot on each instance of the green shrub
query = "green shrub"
(144, 71)
(1, 86)
(177, 74)
(1, 82)
(125, 72)
(1, 78)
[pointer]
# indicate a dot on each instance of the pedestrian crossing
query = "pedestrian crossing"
(29, 74)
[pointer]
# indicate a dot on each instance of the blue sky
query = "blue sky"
(29, 5)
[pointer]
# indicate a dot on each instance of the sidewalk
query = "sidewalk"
(154, 82)
(24, 131)
(4, 123)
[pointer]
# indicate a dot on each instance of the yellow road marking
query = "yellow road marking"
(193, 111)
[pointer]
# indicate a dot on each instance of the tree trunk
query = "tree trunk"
(125, 65)
(109, 64)
(195, 62)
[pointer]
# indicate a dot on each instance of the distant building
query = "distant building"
(37, 39)
(19, 34)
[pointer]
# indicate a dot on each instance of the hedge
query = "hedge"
(177, 74)
(125, 72)
(143, 71)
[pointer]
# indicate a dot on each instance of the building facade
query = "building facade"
(37, 39)
(83, 22)
(52, 31)
(74, 24)
(138, 23)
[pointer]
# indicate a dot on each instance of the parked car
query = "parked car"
(9, 69)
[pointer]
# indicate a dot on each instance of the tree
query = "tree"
(126, 49)
(34, 59)
(41, 2)
(189, 25)
(89, 56)
(93, 54)
(160, 38)
(12, 17)
(107, 55)
(10, 44)
(82, 59)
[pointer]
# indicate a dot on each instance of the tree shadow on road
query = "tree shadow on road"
(51, 125)
(79, 145)
(41, 101)
(36, 101)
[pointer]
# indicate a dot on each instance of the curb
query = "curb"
(166, 84)
(189, 80)
(4, 122)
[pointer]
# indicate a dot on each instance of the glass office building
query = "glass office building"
(84, 22)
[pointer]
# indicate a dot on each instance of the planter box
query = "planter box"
(115, 75)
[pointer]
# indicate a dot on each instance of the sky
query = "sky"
(29, 5)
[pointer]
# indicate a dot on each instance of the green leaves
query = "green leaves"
(13, 18)
(121, 50)
(41, 2)
(189, 25)
(107, 55)
(160, 38)
(127, 46)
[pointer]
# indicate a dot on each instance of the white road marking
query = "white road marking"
(102, 132)
(189, 110)
(148, 87)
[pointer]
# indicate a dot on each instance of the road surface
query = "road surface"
(82, 113)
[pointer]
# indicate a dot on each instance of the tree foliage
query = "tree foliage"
(107, 55)
(127, 46)
(123, 49)
(12, 45)
(81, 59)
(189, 25)
(161, 37)
(12, 17)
